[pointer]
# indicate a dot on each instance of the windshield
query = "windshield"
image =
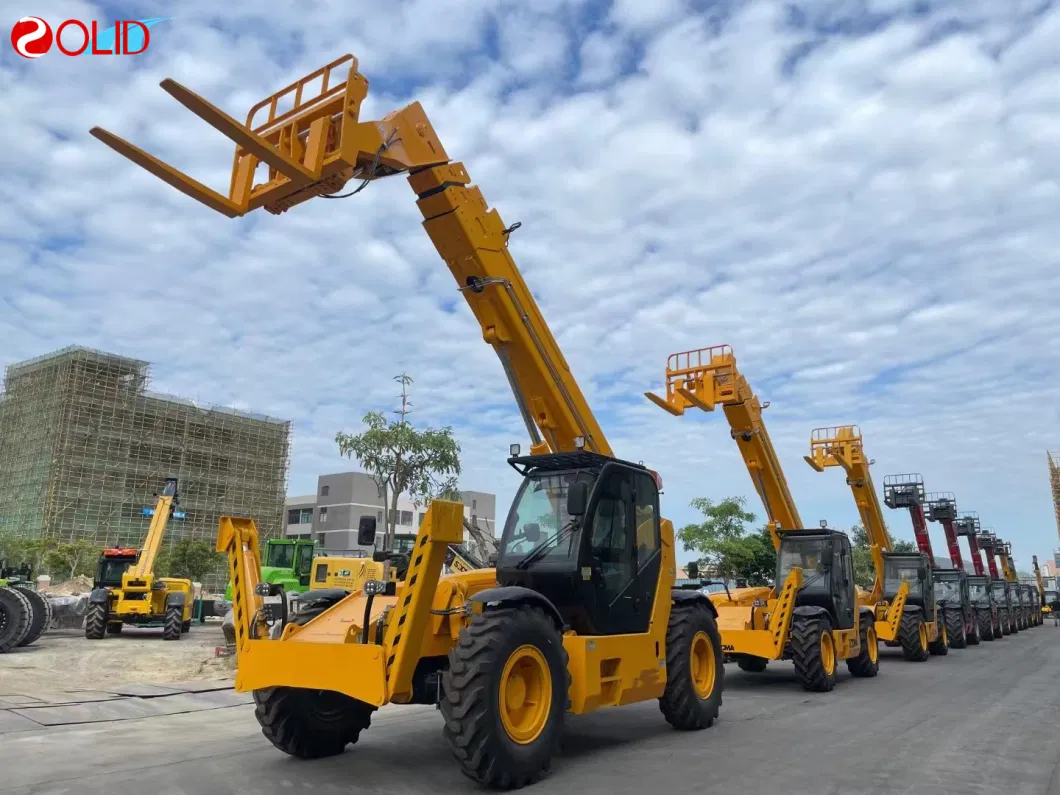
(895, 572)
(999, 593)
(280, 556)
(1052, 596)
(805, 554)
(978, 591)
(111, 569)
(948, 590)
(538, 514)
(404, 543)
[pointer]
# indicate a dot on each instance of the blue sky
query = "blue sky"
(859, 197)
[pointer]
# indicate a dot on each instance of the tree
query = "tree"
(188, 559)
(71, 560)
(403, 460)
(725, 545)
(16, 550)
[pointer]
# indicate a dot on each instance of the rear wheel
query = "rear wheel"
(15, 616)
(913, 637)
(695, 674)
(813, 653)
(752, 664)
(941, 645)
(955, 633)
(171, 627)
(986, 626)
(96, 621)
(505, 696)
(310, 724)
(867, 663)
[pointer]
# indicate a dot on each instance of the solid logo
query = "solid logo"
(32, 37)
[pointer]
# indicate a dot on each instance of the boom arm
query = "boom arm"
(320, 144)
(145, 565)
(1004, 554)
(968, 526)
(706, 377)
(907, 491)
(842, 447)
(989, 542)
(1038, 578)
(942, 508)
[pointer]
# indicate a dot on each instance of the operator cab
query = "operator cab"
(951, 587)
(1025, 595)
(113, 563)
(979, 590)
(827, 571)
(1000, 591)
(912, 568)
(1052, 599)
(583, 531)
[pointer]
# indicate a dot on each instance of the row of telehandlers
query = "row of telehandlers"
(582, 609)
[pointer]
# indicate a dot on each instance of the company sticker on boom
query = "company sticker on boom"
(32, 37)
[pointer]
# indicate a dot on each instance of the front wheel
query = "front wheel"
(955, 633)
(813, 653)
(913, 637)
(505, 696)
(171, 627)
(695, 675)
(941, 646)
(96, 621)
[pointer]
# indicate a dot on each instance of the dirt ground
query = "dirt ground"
(64, 660)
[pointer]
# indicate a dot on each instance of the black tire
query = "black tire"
(867, 663)
(754, 665)
(15, 616)
(310, 724)
(986, 626)
(471, 704)
(41, 618)
(807, 639)
(954, 621)
(115, 628)
(96, 621)
(910, 637)
(692, 627)
(174, 619)
(941, 646)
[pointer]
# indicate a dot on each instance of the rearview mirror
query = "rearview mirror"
(826, 557)
(366, 531)
(693, 570)
(922, 573)
(532, 532)
(577, 498)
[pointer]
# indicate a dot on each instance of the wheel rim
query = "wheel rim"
(702, 665)
(827, 652)
(525, 695)
(945, 636)
(873, 644)
(923, 636)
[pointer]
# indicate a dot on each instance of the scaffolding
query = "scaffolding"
(84, 446)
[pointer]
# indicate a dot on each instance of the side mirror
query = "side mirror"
(922, 573)
(577, 498)
(693, 570)
(366, 531)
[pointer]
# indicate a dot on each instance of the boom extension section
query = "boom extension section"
(907, 491)
(942, 508)
(319, 144)
(969, 527)
(707, 377)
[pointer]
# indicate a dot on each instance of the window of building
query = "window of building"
(294, 517)
(422, 517)
(324, 491)
(405, 518)
(474, 505)
(323, 514)
(307, 516)
(379, 516)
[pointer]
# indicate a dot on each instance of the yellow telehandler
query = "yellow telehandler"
(126, 590)
(581, 611)
(903, 592)
(811, 616)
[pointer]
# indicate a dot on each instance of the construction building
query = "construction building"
(331, 515)
(84, 446)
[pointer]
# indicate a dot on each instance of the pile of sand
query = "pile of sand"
(78, 585)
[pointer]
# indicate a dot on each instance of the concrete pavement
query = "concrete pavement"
(976, 722)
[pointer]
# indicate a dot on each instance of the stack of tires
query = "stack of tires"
(24, 616)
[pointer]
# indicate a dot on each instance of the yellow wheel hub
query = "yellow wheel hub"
(873, 643)
(827, 653)
(703, 665)
(945, 637)
(923, 637)
(525, 696)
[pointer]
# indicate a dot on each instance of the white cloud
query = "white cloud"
(871, 225)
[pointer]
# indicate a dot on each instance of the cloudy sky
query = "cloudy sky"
(857, 195)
